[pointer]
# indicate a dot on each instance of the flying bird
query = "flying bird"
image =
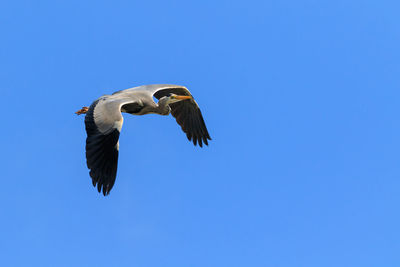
(103, 123)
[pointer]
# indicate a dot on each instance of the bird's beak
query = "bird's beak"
(182, 97)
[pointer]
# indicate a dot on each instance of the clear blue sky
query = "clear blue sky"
(301, 99)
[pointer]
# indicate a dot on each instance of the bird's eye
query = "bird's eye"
(169, 95)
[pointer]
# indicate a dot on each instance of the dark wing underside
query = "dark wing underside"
(188, 115)
(178, 91)
(101, 153)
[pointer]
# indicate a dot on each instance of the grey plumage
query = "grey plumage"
(104, 121)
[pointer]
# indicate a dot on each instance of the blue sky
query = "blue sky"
(300, 97)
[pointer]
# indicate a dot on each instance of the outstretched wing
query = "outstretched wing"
(187, 114)
(103, 123)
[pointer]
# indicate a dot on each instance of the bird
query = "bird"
(103, 124)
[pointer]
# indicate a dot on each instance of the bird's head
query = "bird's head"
(165, 101)
(173, 98)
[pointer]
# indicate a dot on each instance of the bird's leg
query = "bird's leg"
(82, 111)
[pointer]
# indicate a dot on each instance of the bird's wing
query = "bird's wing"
(187, 114)
(103, 123)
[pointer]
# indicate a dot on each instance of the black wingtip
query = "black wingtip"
(101, 188)
(205, 141)
(99, 182)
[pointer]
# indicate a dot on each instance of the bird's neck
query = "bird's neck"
(163, 107)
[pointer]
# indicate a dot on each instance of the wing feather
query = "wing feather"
(103, 123)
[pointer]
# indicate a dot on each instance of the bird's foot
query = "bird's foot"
(82, 111)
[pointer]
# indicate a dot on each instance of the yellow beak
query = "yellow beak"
(182, 97)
